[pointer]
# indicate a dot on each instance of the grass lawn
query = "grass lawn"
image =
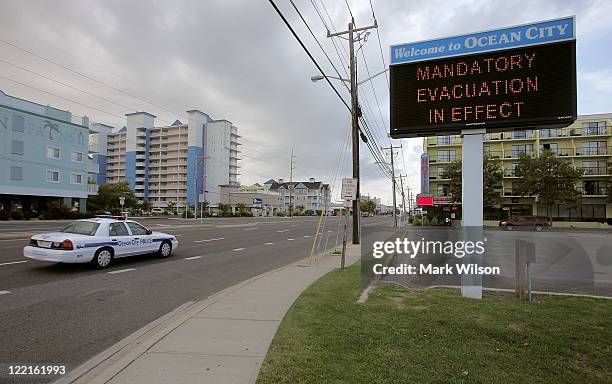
(435, 336)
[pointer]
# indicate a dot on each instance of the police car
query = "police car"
(99, 240)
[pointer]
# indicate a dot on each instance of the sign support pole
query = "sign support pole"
(472, 199)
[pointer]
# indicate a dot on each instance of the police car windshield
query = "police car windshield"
(88, 228)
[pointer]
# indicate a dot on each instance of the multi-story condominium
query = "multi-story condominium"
(586, 144)
(302, 195)
(176, 165)
(43, 156)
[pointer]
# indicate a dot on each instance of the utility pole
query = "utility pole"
(403, 194)
(291, 168)
(354, 112)
(391, 148)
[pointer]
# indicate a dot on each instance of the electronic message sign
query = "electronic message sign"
(513, 78)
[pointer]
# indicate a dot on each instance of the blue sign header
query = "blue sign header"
(511, 37)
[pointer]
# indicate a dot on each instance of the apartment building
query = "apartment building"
(586, 144)
(308, 195)
(43, 156)
(175, 165)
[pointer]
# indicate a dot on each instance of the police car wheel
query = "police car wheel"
(165, 249)
(102, 258)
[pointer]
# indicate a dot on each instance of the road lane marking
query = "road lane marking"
(122, 270)
(290, 239)
(284, 230)
(270, 243)
(14, 262)
(4, 292)
(329, 231)
(249, 229)
(202, 241)
(193, 257)
(163, 225)
(27, 238)
(239, 249)
(307, 236)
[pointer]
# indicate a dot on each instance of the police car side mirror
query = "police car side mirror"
(149, 232)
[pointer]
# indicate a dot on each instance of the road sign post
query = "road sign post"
(122, 203)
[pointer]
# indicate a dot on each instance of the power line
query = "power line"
(380, 46)
(317, 40)
(349, 9)
(61, 97)
(72, 87)
(308, 53)
(88, 77)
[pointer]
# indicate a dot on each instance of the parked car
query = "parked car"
(157, 211)
(537, 222)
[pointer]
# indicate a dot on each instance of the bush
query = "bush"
(187, 214)
(425, 221)
(16, 215)
(56, 212)
(279, 214)
(435, 221)
(5, 215)
(28, 214)
(246, 214)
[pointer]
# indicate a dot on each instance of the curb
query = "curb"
(109, 363)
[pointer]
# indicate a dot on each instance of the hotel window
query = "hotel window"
(76, 178)
(518, 149)
(53, 176)
(548, 132)
(77, 157)
(18, 123)
(53, 153)
(486, 149)
(446, 155)
(553, 147)
(594, 128)
(521, 134)
(17, 147)
(590, 148)
(16, 173)
(445, 140)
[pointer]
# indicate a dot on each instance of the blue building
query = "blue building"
(43, 156)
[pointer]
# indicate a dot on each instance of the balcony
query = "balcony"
(493, 154)
(92, 189)
(518, 135)
(517, 154)
(510, 173)
(561, 152)
(94, 147)
(592, 151)
(594, 171)
(443, 159)
(593, 191)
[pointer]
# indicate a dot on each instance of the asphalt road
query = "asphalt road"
(64, 314)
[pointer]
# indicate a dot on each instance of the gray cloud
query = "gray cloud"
(236, 60)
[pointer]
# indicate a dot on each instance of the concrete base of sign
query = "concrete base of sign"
(472, 197)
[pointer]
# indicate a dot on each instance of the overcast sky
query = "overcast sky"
(235, 59)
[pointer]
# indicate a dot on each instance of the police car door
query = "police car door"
(139, 234)
(119, 235)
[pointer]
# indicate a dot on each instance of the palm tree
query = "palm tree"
(53, 127)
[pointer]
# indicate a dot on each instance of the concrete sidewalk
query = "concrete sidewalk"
(223, 339)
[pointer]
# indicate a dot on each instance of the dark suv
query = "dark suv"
(537, 222)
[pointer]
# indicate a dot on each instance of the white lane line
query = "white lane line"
(122, 270)
(249, 229)
(4, 292)
(290, 239)
(307, 236)
(14, 262)
(193, 257)
(284, 230)
(163, 225)
(329, 231)
(202, 241)
(16, 239)
(270, 243)
(239, 249)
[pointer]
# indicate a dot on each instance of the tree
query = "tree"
(241, 207)
(145, 205)
(108, 195)
(550, 179)
(367, 206)
(224, 208)
(492, 181)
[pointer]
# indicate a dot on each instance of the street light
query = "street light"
(316, 78)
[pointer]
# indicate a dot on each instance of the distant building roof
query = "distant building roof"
(271, 181)
(307, 184)
(176, 123)
(122, 130)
